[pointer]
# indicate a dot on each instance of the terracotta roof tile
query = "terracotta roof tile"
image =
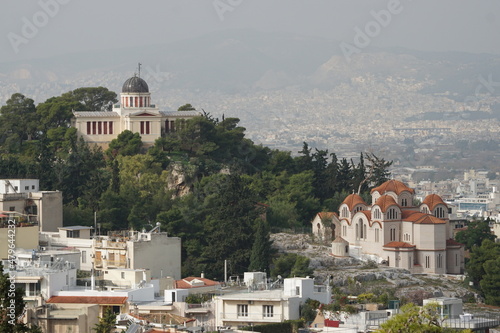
(327, 215)
(88, 300)
(405, 214)
(367, 213)
(398, 244)
(385, 201)
(421, 218)
(452, 242)
(185, 283)
(352, 200)
(392, 186)
(432, 200)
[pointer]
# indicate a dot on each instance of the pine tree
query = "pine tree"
(106, 322)
(261, 249)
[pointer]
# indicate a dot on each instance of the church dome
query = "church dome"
(135, 85)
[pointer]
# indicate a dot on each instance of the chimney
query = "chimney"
(202, 275)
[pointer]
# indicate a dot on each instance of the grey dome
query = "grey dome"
(135, 85)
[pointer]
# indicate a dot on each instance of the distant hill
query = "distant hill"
(242, 60)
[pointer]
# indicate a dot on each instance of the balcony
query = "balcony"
(197, 308)
(252, 317)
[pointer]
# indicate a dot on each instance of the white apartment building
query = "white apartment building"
(268, 306)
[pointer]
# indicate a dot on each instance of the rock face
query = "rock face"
(352, 275)
(178, 180)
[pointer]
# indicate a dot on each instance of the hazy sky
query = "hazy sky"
(78, 25)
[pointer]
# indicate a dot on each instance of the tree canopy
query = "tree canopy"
(204, 182)
(477, 231)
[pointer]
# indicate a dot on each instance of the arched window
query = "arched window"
(393, 234)
(439, 212)
(344, 212)
(392, 214)
(361, 229)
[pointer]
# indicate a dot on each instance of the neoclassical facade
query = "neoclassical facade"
(135, 112)
(391, 229)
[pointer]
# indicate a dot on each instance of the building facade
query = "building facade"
(135, 113)
(392, 229)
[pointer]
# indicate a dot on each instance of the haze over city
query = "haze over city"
(292, 71)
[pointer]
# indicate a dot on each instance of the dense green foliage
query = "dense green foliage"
(290, 265)
(483, 270)
(106, 323)
(228, 195)
(476, 232)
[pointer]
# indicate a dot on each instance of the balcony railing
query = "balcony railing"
(251, 317)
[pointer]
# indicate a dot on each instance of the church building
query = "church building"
(135, 112)
(392, 229)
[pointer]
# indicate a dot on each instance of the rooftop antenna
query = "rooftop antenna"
(140, 69)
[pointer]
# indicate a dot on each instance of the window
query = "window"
(344, 230)
(99, 127)
(89, 127)
(105, 123)
(73, 233)
(456, 259)
(393, 234)
(361, 229)
(84, 257)
(392, 214)
(110, 127)
(427, 261)
(242, 310)
(16, 188)
(12, 209)
(268, 310)
(32, 187)
(377, 235)
(344, 212)
(123, 275)
(26, 188)
(439, 260)
(439, 212)
(404, 202)
(297, 290)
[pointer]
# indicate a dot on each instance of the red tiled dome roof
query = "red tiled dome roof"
(385, 201)
(392, 186)
(352, 200)
(432, 200)
(421, 218)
